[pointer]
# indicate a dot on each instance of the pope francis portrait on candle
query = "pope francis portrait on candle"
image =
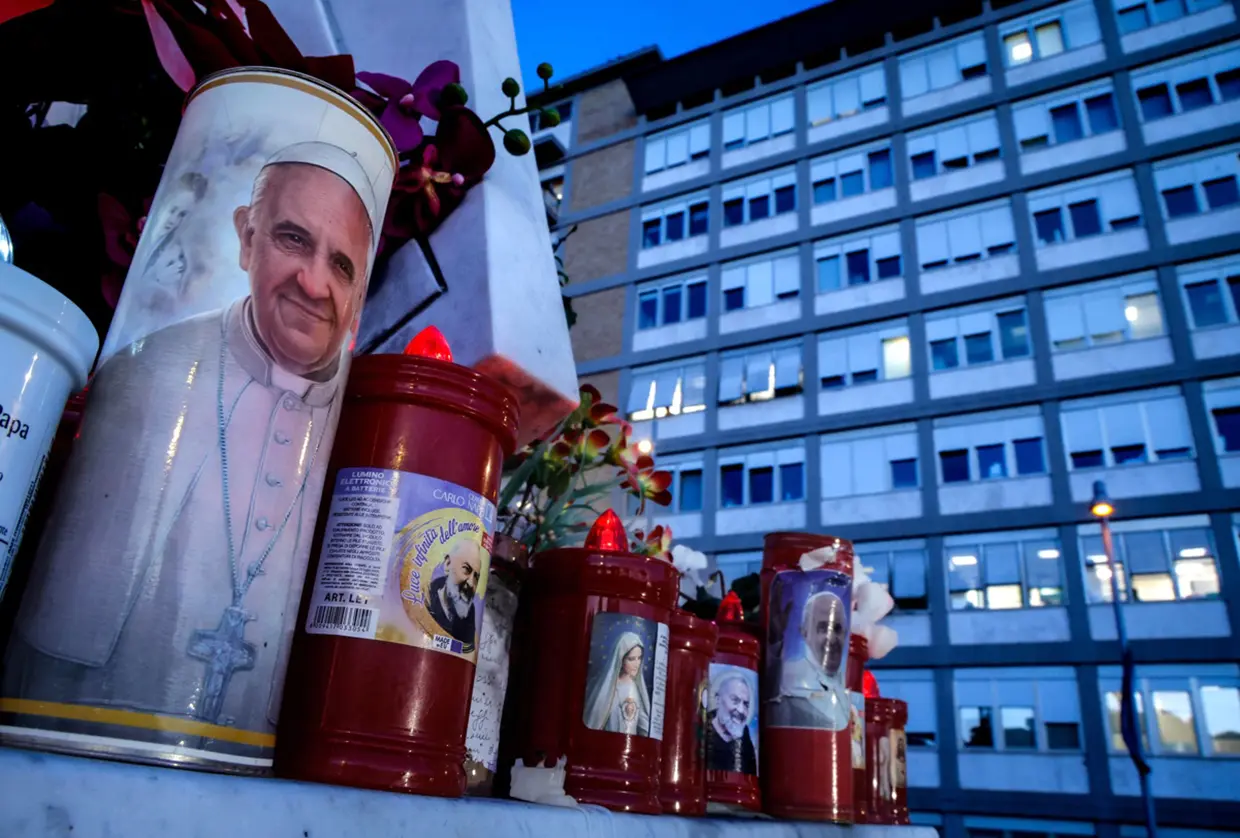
(167, 584)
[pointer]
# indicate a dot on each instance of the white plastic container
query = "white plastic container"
(47, 347)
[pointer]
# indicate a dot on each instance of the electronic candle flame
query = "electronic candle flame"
(430, 343)
(869, 685)
(608, 534)
(730, 609)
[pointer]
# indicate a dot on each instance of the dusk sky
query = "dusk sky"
(575, 36)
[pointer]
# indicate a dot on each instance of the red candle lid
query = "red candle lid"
(869, 685)
(430, 343)
(608, 534)
(730, 609)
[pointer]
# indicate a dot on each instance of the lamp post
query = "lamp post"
(1102, 509)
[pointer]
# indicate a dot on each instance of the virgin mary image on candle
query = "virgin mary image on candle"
(620, 677)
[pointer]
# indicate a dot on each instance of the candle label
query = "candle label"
(732, 719)
(857, 723)
(807, 650)
(626, 675)
(486, 707)
(405, 559)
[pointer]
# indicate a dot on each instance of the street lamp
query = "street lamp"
(1102, 509)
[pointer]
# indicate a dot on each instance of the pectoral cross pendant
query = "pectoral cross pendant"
(224, 651)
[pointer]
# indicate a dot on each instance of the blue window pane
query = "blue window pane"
(690, 491)
(1049, 226)
(671, 305)
(864, 376)
(699, 219)
(1155, 102)
(1233, 282)
(889, 267)
(675, 226)
(1029, 458)
(824, 191)
(955, 466)
(785, 199)
(761, 485)
(1180, 201)
(1085, 219)
(1128, 454)
(880, 169)
(1013, 334)
(1205, 301)
(1086, 459)
(1165, 10)
(759, 207)
(991, 462)
(792, 481)
(852, 183)
(833, 382)
(651, 232)
(1221, 192)
(733, 299)
(732, 485)
(828, 274)
(1101, 113)
(648, 310)
(1228, 84)
(1227, 422)
(978, 348)
(1066, 121)
(858, 267)
(904, 474)
(733, 212)
(923, 165)
(697, 300)
(1194, 94)
(1134, 19)
(944, 355)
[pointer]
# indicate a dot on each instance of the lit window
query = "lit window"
(1143, 315)
(1050, 39)
(1173, 711)
(1018, 47)
(896, 359)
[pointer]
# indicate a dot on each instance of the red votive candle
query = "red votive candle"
(682, 788)
(858, 654)
(886, 763)
(382, 667)
(595, 667)
(807, 759)
(733, 746)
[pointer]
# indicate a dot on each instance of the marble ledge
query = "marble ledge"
(51, 796)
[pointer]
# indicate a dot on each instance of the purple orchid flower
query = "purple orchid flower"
(408, 103)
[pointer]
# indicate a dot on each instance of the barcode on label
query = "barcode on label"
(342, 618)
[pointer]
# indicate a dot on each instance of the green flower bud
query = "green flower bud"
(544, 71)
(516, 142)
(453, 94)
(510, 87)
(550, 118)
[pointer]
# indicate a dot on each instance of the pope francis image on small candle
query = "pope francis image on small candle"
(168, 582)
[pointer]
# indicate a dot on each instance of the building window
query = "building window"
(1018, 730)
(762, 485)
(954, 146)
(1212, 292)
(1186, 84)
(865, 357)
(1174, 711)
(1067, 117)
(1135, 15)
(1206, 184)
(661, 392)
(757, 122)
(902, 573)
(759, 198)
(870, 257)
(1114, 722)
(792, 481)
(760, 374)
(1108, 435)
(690, 495)
(847, 96)
(978, 332)
(875, 461)
(850, 174)
(1196, 713)
(1091, 208)
(1221, 713)
(975, 727)
(671, 304)
(762, 478)
(1102, 313)
(732, 484)
(677, 147)
(1227, 426)
(955, 465)
(758, 282)
(1004, 575)
(958, 238)
(1164, 565)
(666, 224)
(943, 66)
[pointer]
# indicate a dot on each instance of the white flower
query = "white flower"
(687, 559)
(817, 558)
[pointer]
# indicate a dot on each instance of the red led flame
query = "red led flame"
(869, 685)
(430, 343)
(730, 609)
(608, 534)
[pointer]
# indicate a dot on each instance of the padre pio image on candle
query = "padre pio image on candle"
(807, 646)
(626, 676)
(732, 719)
(168, 579)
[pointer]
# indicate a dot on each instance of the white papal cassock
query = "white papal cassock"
(135, 557)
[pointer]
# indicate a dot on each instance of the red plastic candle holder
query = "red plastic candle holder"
(858, 654)
(738, 652)
(682, 787)
(886, 767)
